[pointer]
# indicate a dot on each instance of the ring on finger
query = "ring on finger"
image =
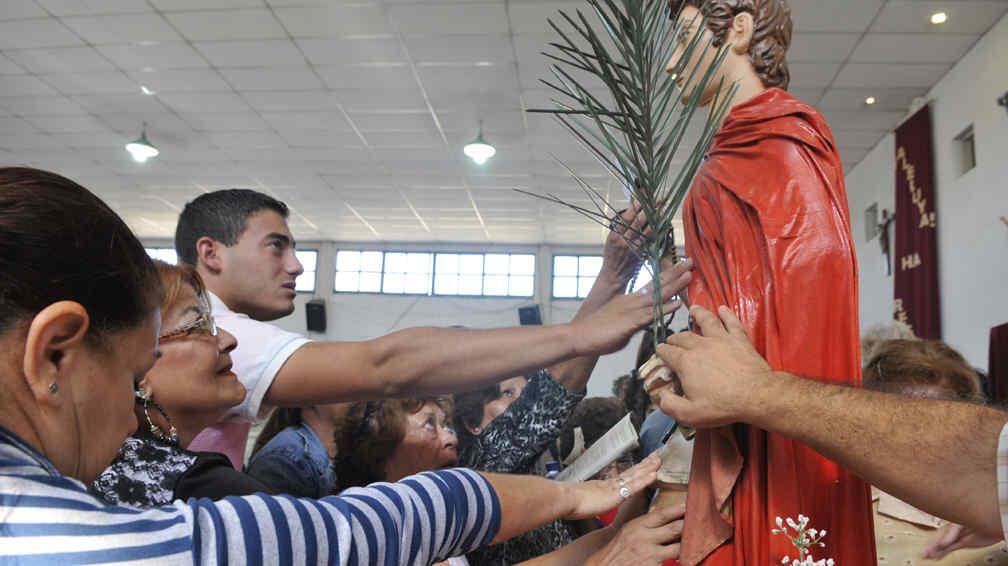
(624, 491)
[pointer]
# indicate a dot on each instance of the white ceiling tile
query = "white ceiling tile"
(263, 139)
(62, 8)
(21, 9)
(26, 34)
(261, 53)
(97, 138)
(856, 120)
(531, 17)
(204, 102)
(225, 122)
(132, 103)
(41, 105)
(409, 100)
(858, 138)
(444, 80)
(8, 67)
(334, 20)
(228, 24)
(438, 19)
(320, 120)
(272, 78)
(461, 48)
(817, 15)
(418, 121)
(24, 85)
(398, 77)
(812, 75)
(181, 80)
(177, 5)
(854, 154)
(60, 60)
(891, 75)
(808, 95)
(356, 50)
(912, 48)
(292, 100)
(160, 55)
(814, 47)
(326, 141)
(12, 125)
(408, 140)
(12, 141)
(892, 99)
(65, 124)
(964, 16)
(126, 28)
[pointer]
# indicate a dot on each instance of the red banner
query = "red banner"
(917, 301)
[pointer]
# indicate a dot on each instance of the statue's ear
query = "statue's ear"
(741, 33)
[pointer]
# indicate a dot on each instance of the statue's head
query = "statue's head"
(758, 30)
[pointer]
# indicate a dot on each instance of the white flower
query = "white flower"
(792, 524)
(780, 523)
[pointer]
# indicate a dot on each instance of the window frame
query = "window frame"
(318, 254)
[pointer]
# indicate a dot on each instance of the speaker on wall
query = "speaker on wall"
(315, 315)
(529, 315)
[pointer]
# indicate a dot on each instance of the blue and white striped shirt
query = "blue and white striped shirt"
(47, 518)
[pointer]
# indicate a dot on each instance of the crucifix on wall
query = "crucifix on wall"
(883, 237)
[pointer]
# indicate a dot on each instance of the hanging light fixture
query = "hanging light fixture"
(479, 150)
(141, 149)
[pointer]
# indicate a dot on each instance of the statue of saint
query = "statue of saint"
(768, 226)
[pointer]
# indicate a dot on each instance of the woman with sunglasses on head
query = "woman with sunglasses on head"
(79, 327)
(189, 388)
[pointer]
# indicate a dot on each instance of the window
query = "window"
(358, 272)
(408, 273)
(430, 273)
(166, 255)
(305, 283)
(488, 275)
(574, 275)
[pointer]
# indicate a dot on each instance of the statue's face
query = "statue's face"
(689, 24)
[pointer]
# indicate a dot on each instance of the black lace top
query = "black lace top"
(150, 473)
(517, 442)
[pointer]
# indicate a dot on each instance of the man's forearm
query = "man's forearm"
(936, 455)
(573, 374)
(416, 362)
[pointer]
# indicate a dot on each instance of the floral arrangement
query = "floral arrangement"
(803, 538)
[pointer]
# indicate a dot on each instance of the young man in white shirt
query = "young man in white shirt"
(240, 244)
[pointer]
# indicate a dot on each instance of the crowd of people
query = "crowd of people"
(425, 445)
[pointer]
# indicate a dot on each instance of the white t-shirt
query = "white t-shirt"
(262, 350)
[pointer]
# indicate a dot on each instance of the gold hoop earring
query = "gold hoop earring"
(172, 435)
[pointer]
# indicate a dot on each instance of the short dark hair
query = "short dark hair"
(220, 215)
(62, 243)
(369, 434)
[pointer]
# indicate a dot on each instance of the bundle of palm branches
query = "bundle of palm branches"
(638, 132)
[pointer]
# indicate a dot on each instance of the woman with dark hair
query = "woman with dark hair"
(79, 327)
(294, 452)
(391, 439)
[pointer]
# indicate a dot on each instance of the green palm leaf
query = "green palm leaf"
(638, 135)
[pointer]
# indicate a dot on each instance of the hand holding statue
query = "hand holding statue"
(720, 372)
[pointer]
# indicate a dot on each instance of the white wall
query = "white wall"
(364, 316)
(972, 240)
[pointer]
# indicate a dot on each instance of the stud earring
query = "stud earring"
(53, 388)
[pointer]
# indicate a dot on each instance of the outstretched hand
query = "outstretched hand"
(718, 370)
(627, 236)
(609, 328)
(592, 498)
(649, 539)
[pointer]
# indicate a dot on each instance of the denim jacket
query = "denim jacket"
(295, 462)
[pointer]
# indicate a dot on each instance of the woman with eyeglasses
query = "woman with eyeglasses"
(79, 327)
(190, 387)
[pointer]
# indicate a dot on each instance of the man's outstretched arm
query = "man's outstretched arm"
(426, 361)
(939, 456)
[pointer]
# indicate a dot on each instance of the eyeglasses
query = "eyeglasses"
(203, 325)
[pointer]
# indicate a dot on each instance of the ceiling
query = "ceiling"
(355, 113)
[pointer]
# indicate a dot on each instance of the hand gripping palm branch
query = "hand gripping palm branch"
(638, 134)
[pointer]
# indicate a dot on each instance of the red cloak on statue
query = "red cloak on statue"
(768, 227)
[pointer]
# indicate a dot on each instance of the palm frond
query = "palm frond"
(637, 134)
